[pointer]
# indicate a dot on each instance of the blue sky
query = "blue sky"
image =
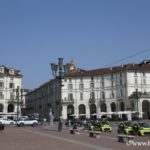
(94, 33)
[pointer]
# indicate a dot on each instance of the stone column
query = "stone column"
(64, 112)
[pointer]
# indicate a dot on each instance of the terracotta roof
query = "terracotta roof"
(111, 70)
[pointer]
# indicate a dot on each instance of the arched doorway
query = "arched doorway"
(82, 111)
(122, 109)
(113, 107)
(122, 106)
(70, 111)
(1, 107)
(10, 108)
(103, 108)
(93, 112)
(132, 106)
(146, 109)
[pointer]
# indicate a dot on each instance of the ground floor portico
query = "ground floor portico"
(10, 110)
(111, 109)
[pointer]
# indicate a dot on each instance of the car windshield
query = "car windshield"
(142, 124)
(128, 124)
(105, 122)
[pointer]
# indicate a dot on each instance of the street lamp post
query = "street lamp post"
(58, 71)
(18, 94)
(137, 99)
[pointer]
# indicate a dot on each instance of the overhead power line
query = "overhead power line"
(125, 58)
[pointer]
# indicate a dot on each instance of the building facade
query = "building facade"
(118, 90)
(11, 101)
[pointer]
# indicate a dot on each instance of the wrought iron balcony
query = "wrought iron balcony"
(139, 95)
(92, 100)
(102, 101)
(67, 101)
(15, 101)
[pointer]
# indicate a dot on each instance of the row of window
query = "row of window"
(81, 86)
(136, 81)
(92, 96)
(11, 85)
(12, 96)
(112, 76)
(10, 108)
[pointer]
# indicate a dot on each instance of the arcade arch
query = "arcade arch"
(146, 109)
(103, 107)
(10, 108)
(82, 109)
(122, 106)
(113, 107)
(70, 110)
(1, 107)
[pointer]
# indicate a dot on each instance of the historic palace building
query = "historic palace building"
(119, 90)
(12, 100)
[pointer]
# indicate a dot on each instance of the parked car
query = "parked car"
(27, 121)
(141, 128)
(88, 125)
(101, 126)
(23, 117)
(7, 121)
(125, 127)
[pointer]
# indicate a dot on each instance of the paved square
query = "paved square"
(37, 138)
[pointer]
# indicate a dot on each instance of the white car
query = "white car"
(23, 117)
(27, 121)
(7, 121)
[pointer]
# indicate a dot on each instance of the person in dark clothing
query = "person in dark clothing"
(60, 124)
(2, 127)
(75, 126)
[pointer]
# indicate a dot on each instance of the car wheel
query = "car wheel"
(135, 129)
(34, 124)
(21, 124)
(121, 126)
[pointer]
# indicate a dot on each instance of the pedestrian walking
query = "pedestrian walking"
(2, 127)
(60, 124)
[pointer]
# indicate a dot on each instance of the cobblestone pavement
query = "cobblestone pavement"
(38, 138)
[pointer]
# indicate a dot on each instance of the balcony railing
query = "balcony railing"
(15, 101)
(139, 95)
(67, 101)
(102, 100)
(91, 100)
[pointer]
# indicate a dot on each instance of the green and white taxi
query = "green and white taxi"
(102, 126)
(141, 128)
(125, 127)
